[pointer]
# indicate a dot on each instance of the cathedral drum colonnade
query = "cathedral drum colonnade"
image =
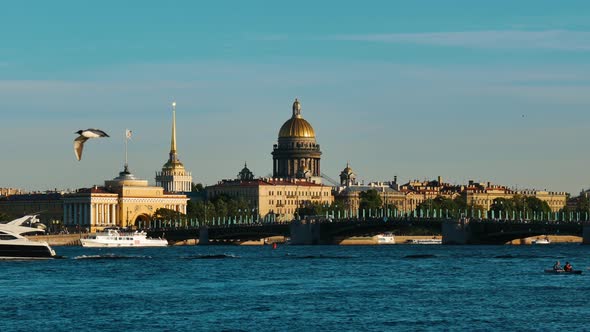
(297, 154)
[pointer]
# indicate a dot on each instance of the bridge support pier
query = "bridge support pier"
(586, 233)
(304, 233)
(203, 235)
(455, 232)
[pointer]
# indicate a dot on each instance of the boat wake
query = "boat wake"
(110, 256)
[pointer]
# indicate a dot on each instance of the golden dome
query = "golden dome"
(347, 170)
(296, 126)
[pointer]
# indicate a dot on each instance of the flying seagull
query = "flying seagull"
(84, 136)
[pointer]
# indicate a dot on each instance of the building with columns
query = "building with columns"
(173, 177)
(48, 206)
(297, 155)
(125, 201)
(272, 199)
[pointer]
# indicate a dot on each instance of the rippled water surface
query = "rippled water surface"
(298, 288)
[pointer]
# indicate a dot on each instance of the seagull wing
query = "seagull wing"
(98, 132)
(79, 145)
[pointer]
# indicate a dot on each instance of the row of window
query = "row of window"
(297, 193)
(297, 202)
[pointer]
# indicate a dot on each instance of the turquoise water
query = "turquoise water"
(298, 288)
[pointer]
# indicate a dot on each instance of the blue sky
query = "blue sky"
(496, 91)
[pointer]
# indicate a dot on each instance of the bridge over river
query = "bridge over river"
(328, 230)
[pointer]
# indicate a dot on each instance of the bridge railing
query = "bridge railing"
(363, 215)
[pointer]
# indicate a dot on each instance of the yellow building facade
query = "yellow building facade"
(277, 199)
(485, 196)
(123, 202)
(10, 191)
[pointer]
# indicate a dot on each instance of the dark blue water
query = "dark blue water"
(372, 288)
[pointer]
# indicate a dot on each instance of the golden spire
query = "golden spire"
(173, 141)
(296, 109)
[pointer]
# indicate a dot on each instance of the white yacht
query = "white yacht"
(13, 245)
(115, 238)
(385, 238)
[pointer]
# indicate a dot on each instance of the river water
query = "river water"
(298, 288)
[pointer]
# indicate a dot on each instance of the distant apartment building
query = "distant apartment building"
(419, 191)
(349, 191)
(10, 191)
(555, 200)
(484, 194)
(49, 206)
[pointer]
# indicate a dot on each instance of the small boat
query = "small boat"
(385, 238)
(13, 245)
(115, 238)
(563, 271)
(541, 241)
(424, 241)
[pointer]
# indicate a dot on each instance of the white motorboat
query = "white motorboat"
(115, 238)
(13, 245)
(541, 241)
(425, 241)
(385, 238)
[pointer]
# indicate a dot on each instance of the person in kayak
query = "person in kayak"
(568, 267)
(557, 266)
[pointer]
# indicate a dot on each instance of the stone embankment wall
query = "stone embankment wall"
(59, 239)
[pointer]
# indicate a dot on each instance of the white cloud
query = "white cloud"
(492, 39)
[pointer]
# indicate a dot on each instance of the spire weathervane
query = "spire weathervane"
(128, 134)
(173, 141)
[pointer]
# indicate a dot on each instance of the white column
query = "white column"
(90, 214)
(108, 208)
(114, 214)
(102, 209)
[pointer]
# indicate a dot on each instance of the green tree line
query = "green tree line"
(519, 204)
(221, 206)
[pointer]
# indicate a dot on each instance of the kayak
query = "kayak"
(564, 272)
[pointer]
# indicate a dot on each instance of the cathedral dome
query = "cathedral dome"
(347, 170)
(296, 126)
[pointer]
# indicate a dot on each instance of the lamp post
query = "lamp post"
(524, 214)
